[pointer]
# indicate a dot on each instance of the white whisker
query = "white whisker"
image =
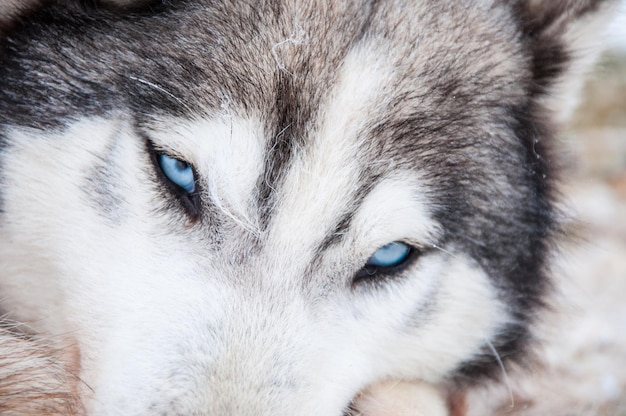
(451, 254)
(161, 89)
(505, 376)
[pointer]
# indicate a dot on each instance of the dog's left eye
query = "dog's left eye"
(391, 255)
(388, 260)
(179, 172)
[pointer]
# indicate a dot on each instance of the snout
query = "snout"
(248, 358)
(280, 367)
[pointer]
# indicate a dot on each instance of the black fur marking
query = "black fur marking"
(46, 84)
(337, 234)
(290, 118)
(3, 148)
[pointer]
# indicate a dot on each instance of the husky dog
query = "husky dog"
(264, 207)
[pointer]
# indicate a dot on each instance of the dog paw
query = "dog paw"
(397, 398)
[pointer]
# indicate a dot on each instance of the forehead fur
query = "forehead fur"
(264, 55)
(450, 67)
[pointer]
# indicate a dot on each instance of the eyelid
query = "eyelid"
(173, 153)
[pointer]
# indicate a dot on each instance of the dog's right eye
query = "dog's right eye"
(179, 177)
(180, 173)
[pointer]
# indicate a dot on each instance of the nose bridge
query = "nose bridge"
(264, 363)
(273, 353)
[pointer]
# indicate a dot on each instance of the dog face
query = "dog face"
(262, 208)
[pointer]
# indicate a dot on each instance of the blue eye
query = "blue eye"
(391, 255)
(179, 172)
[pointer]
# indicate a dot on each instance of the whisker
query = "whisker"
(505, 376)
(163, 90)
(451, 254)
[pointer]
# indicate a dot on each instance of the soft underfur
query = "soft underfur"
(317, 132)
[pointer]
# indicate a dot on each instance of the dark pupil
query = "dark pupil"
(180, 165)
